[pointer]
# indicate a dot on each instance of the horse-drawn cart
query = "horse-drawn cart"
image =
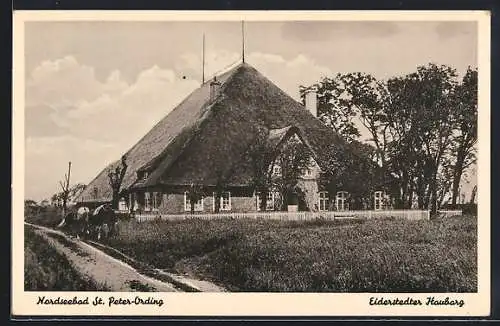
(97, 224)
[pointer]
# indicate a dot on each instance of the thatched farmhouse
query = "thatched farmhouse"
(206, 139)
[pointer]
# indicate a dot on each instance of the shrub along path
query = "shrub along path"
(100, 267)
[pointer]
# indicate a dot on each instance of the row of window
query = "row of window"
(277, 171)
(152, 201)
(225, 203)
(341, 203)
(341, 200)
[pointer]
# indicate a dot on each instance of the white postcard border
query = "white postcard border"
(259, 304)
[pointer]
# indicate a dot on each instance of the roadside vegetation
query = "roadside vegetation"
(45, 269)
(385, 255)
(49, 216)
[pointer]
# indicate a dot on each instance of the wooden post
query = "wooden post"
(203, 61)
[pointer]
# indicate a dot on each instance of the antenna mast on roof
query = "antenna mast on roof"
(203, 61)
(243, 41)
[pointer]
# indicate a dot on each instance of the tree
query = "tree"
(71, 194)
(55, 199)
(432, 108)
(65, 190)
(30, 203)
(115, 178)
(332, 107)
(465, 137)
(260, 155)
(75, 190)
(194, 194)
(220, 186)
(293, 159)
(369, 99)
(31, 207)
(422, 125)
(473, 195)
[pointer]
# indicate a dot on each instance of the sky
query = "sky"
(93, 89)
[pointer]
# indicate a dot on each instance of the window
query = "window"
(147, 201)
(198, 206)
(323, 201)
(270, 202)
(225, 201)
(96, 192)
(276, 170)
(307, 172)
(122, 205)
(156, 200)
(378, 200)
(341, 201)
(132, 202)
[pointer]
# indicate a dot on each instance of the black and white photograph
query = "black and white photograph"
(243, 155)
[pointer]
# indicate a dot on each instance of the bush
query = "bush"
(49, 216)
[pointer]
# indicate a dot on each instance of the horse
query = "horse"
(102, 222)
(77, 221)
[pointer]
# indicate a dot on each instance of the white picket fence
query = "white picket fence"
(448, 213)
(295, 216)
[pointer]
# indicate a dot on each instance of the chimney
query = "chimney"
(312, 102)
(214, 88)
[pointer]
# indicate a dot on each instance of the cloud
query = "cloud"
(310, 31)
(289, 74)
(451, 29)
(65, 95)
(64, 81)
(127, 116)
(73, 116)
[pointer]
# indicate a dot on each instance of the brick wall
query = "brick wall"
(174, 204)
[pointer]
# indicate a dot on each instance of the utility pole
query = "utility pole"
(243, 41)
(203, 61)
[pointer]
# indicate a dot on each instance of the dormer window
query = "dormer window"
(307, 172)
(143, 175)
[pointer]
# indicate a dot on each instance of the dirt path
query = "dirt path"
(102, 268)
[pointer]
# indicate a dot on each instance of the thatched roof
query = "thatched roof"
(201, 140)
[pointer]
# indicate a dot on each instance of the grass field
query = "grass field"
(47, 270)
(337, 256)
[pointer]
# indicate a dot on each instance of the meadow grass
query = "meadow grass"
(45, 269)
(384, 255)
